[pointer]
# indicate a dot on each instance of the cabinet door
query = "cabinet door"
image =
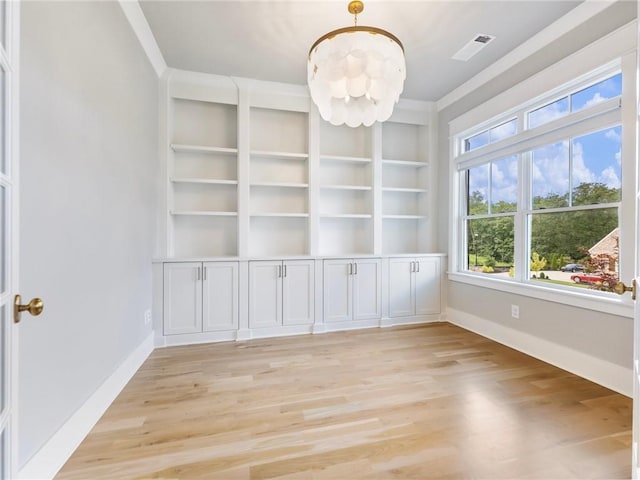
(401, 291)
(265, 294)
(297, 292)
(427, 286)
(338, 305)
(182, 298)
(367, 289)
(220, 296)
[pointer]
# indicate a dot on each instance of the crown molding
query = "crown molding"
(140, 26)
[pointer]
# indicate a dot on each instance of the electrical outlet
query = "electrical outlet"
(515, 311)
(147, 317)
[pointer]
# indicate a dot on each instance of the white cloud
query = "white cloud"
(619, 157)
(581, 173)
(503, 131)
(547, 114)
(613, 134)
(597, 98)
(609, 177)
(551, 170)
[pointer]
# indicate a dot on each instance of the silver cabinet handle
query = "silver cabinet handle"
(411, 268)
(279, 271)
(285, 271)
(198, 269)
(356, 268)
(418, 267)
(351, 269)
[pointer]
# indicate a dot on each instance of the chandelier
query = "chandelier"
(356, 74)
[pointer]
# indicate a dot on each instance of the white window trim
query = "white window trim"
(583, 66)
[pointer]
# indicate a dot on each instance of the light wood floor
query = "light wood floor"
(421, 402)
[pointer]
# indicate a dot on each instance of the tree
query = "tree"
(537, 262)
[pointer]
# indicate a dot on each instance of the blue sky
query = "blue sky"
(595, 157)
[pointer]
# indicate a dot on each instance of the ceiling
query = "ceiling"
(270, 40)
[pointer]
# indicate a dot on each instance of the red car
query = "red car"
(586, 278)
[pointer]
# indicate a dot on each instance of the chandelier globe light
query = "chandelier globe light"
(356, 74)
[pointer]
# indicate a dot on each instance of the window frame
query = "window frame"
(612, 112)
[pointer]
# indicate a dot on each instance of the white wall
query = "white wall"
(88, 157)
(606, 338)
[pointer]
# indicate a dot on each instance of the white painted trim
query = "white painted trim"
(13, 148)
(600, 371)
(571, 20)
(576, 297)
(46, 463)
(140, 26)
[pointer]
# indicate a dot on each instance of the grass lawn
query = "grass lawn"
(560, 282)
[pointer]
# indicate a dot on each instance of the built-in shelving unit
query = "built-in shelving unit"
(346, 190)
(252, 170)
(202, 169)
(279, 181)
(405, 192)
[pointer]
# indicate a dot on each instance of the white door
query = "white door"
(219, 296)
(367, 290)
(297, 292)
(427, 285)
(401, 289)
(338, 296)
(265, 294)
(182, 298)
(9, 33)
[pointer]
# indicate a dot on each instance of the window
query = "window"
(584, 98)
(542, 207)
(491, 135)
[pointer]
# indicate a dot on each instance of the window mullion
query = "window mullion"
(521, 224)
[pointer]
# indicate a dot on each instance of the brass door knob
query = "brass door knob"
(621, 288)
(34, 307)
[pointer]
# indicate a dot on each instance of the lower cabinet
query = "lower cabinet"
(352, 289)
(281, 293)
(279, 296)
(200, 297)
(414, 286)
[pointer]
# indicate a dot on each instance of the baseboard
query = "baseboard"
(46, 463)
(600, 371)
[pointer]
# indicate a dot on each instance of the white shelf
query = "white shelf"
(404, 190)
(280, 184)
(210, 181)
(346, 215)
(340, 158)
(278, 155)
(203, 213)
(404, 163)
(203, 149)
(345, 187)
(283, 215)
(404, 217)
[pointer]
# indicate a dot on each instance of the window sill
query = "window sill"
(599, 301)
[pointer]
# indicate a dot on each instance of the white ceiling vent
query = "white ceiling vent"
(478, 42)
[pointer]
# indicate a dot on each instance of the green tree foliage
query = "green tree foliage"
(537, 262)
(569, 233)
(561, 237)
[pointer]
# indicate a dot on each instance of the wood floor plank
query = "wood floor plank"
(421, 402)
